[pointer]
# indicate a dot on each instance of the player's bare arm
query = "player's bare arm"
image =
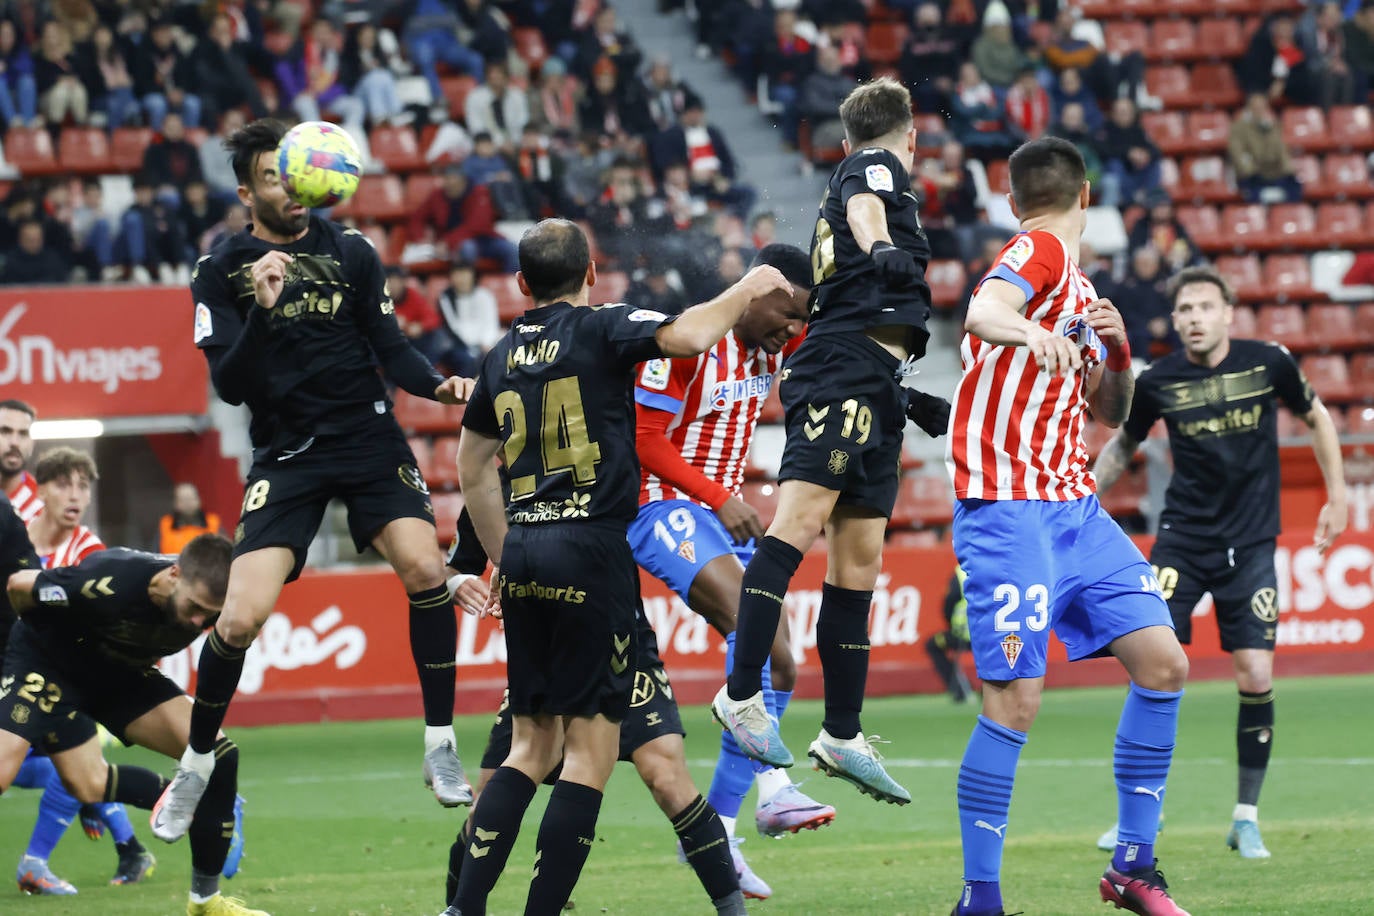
(1331, 521)
(269, 276)
(994, 316)
(1113, 460)
(701, 326)
(20, 588)
(1111, 384)
(481, 485)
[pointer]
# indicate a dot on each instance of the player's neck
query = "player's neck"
(1213, 357)
(259, 231)
(1067, 227)
(578, 300)
(47, 533)
(161, 586)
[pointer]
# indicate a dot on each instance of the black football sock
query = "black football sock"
(842, 644)
(492, 826)
(1254, 742)
(134, 786)
(221, 666)
(434, 646)
(212, 828)
(130, 848)
(707, 848)
(760, 607)
(565, 840)
(455, 863)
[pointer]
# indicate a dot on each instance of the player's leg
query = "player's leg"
(56, 810)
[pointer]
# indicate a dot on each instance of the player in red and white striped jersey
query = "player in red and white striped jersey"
(16, 447)
(64, 477)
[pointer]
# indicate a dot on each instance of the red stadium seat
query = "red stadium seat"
(421, 415)
(1362, 371)
(510, 302)
(947, 281)
(1346, 175)
(1359, 421)
(1172, 85)
(379, 197)
(1127, 36)
(456, 89)
(924, 501)
(1331, 326)
(445, 463)
(1171, 39)
(529, 44)
(762, 496)
(418, 188)
(1167, 130)
(1329, 376)
(1243, 273)
(1304, 128)
(1364, 322)
(84, 151)
(884, 41)
(1208, 131)
(1204, 225)
(1351, 127)
(1289, 276)
(1289, 427)
(1204, 178)
(447, 508)
(396, 148)
(30, 151)
(1215, 86)
(424, 455)
(1243, 226)
(1307, 168)
(1293, 226)
(610, 287)
(828, 155)
(126, 147)
(1284, 324)
(1342, 224)
(377, 235)
(1244, 323)
(1220, 38)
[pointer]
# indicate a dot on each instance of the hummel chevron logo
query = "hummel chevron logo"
(1157, 793)
(486, 836)
(101, 586)
(986, 826)
(817, 418)
(620, 658)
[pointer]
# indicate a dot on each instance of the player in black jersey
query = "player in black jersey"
(845, 410)
(1218, 398)
(84, 651)
(554, 398)
(293, 317)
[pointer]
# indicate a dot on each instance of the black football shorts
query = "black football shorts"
(1242, 580)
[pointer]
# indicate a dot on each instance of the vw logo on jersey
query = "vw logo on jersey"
(742, 389)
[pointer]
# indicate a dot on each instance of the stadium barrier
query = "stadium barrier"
(337, 647)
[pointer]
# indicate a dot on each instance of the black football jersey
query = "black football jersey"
(557, 390)
(99, 610)
(308, 366)
(1223, 433)
(848, 294)
(16, 553)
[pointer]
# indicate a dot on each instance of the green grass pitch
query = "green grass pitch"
(339, 824)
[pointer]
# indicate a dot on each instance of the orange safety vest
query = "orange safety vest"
(172, 539)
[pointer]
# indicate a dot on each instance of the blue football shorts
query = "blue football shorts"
(1034, 566)
(674, 538)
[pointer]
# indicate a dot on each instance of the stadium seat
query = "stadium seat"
(1342, 224)
(1346, 176)
(884, 41)
(510, 302)
(1208, 131)
(529, 44)
(456, 89)
(1204, 225)
(610, 287)
(444, 465)
(377, 235)
(421, 415)
(1350, 127)
(1172, 85)
(1243, 273)
(762, 496)
(126, 148)
(1168, 175)
(418, 188)
(1307, 168)
(1359, 421)
(1304, 128)
(1244, 324)
(1289, 277)
(1329, 270)
(1167, 130)
(1292, 226)
(828, 155)
(379, 197)
(1220, 38)
(1215, 86)
(1128, 36)
(1362, 372)
(1329, 375)
(1364, 322)
(1204, 178)
(1171, 39)
(447, 508)
(84, 151)
(924, 501)
(1244, 226)
(30, 151)
(1331, 326)
(396, 148)
(947, 281)
(424, 455)
(1284, 324)
(1289, 427)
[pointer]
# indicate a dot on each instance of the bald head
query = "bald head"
(553, 259)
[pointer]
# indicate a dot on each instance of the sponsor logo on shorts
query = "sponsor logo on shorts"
(411, 477)
(839, 462)
(577, 505)
(688, 551)
(1265, 604)
(643, 691)
(565, 593)
(536, 512)
(653, 719)
(1011, 648)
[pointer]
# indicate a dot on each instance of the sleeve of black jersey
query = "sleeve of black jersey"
(1144, 409)
(631, 332)
(16, 550)
(874, 171)
(401, 362)
(466, 555)
(480, 413)
(232, 346)
(86, 590)
(1288, 381)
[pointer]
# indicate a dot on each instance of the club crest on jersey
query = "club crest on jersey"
(839, 462)
(1019, 254)
(1011, 648)
(688, 551)
(878, 177)
(726, 393)
(655, 374)
(205, 326)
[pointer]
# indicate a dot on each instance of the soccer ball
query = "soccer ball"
(319, 164)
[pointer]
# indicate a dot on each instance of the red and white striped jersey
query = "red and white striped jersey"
(1018, 432)
(81, 543)
(715, 400)
(24, 498)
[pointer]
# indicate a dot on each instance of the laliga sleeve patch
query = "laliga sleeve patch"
(878, 177)
(54, 595)
(646, 315)
(655, 375)
(205, 325)
(1019, 253)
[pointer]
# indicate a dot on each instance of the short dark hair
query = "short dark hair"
(1201, 273)
(1046, 174)
(206, 560)
(21, 406)
(874, 110)
(64, 462)
(791, 262)
(246, 143)
(553, 259)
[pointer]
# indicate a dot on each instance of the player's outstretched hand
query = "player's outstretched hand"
(896, 267)
(740, 519)
(1054, 354)
(455, 390)
(469, 592)
(269, 276)
(762, 281)
(928, 411)
(1330, 523)
(1105, 319)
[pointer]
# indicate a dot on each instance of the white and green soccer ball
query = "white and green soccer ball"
(319, 164)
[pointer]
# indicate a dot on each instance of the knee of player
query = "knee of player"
(666, 778)
(420, 572)
(86, 784)
(1253, 680)
(1168, 672)
(239, 627)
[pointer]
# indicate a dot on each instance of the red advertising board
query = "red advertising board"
(89, 351)
(337, 647)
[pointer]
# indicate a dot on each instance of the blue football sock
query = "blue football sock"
(780, 700)
(986, 775)
(1144, 749)
(113, 816)
(57, 811)
(734, 772)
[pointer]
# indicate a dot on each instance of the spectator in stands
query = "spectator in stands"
(199, 213)
(235, 221)
(554, 100)
(30, 261)
(1073, 126)
(620, 218)
(1143, 299)
(487, 166)
(172, 158)
(1260, 158)
(677, 197)
(938, 224)
(366, 73)
(1357, 36)
(497, 108)
(187, 520)
(847, 38)
(221, 75)
(997, 55)
(162, 75)
(540, 169)
(612, 107)
(151, 240)
(1066, 50)
(976, 269)
(92, 232)
(54, 211)
(105, 72)
(1275, 64)
(18, 90)
(1098, 270)
(309, 78)
(745, 28)
(586, 162)
(1028, 106)
(215, 165)
(484, 29)
(1130, 160)
(1069, 89)
(1321, 36)
(651, 289)
(1160, 228)
(60, 90)
(604, 39)
(929, 65)
(956, 193)
(21, 205)
(431, 38)
(710, 164)
(420, 322)
(459, 214)
(977, 119)
(821, 94)
(786, 61)
(667, 96)
(1077, 44)
(763, 230)
(469, 310)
